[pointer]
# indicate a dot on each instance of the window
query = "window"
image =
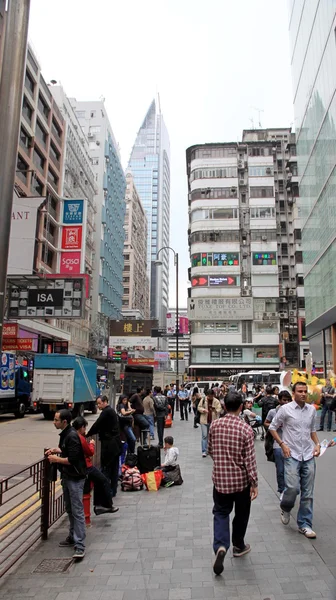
(298, 257)
(211, 152)
(29, 83)
(126, 279)
(214, 213)
(126, 291)
(92, 114)
(21, 169)
(262, 192)
(214, 236)
(80, 114)
(56, 129)
(47, 255)
(94, 129)
(260, 151)
(213, 173)
(299, 280)
(217, 193)
(39, 160)
(215, 354)
(265, 326)
(41, 133)
(25, 139)
(301, 303)
(54, 152)
(52, 178)
(43, 107)
(266, 354)
(263, 235)
(37, 186)
(297, 235)
(27, 111)
(95, 161)
(262, 212)
(261, 171)
(215, 259)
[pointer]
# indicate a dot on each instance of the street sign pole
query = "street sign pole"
(11, 88)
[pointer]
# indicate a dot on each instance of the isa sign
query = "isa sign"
(73, 211)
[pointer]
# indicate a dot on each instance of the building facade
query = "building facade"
(135, 277)
(243, 255)
(150, 166)
(78, 182)
(107, 290)
(312, 33)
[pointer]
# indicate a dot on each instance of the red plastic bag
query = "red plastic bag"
(152, 480)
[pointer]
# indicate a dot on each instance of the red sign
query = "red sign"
(10, 330)
(72, 237)
(70, 263)
(17, 344)
(184, 325)
(199, 281)
(143, 361)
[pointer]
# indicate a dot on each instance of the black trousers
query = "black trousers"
(184, 409)
(160, 423)
(171, 402)
(102, 493)
(223, 506)
(111, 471)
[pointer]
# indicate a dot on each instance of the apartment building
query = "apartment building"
(78, 182)
(242, 219)
(135, 277)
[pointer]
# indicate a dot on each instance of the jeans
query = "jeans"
(325, 410)
(102, 493)
(280, 469)
(299, 477)
(205, 432)
(184, 409)
(73, 501)
(160, 423)
(131, 439)
(223, 505)
(150, 419)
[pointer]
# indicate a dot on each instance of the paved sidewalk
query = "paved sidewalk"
(159, 547)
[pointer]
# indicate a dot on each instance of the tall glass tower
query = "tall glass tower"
(313, 58)
(150, 166)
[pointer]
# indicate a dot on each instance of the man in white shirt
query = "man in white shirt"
(300, 446)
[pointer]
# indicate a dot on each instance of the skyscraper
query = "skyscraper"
(312, 33)
(150, 166)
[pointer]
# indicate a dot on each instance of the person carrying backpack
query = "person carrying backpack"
(267, 403)
(161, 411)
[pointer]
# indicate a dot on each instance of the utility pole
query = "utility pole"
(11, 88)
(177, 329)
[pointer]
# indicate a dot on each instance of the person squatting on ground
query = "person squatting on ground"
(235, 479)
(284, 398)
(102, 493)
(69, 457)
(209, 408)
(300, 446)
(107, 427)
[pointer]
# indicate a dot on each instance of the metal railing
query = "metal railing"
(31, 501)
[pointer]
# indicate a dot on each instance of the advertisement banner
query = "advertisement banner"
(133, 342)
(18, 344)
(61, 297)
(132, 327)
(161, 356)
(72, 238)
(10, 330)
(70, 263)
(73, 211)
(150, 362)
(23, 235)
(229, 309)
(172, 355)
(170, 323)
(7, 374)
(184, 325)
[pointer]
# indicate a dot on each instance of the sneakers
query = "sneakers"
(308, 532)
(79, 554)
(241, 551)
(218, 565)
(204, 454)
(67, 542)
(285, 517)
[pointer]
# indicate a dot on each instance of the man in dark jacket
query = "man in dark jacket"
(136, 402)
(69, 457)
(107, 427)
(161, 411)
(267, 403)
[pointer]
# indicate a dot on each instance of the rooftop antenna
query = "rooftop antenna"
(259, 110)
(252, 122)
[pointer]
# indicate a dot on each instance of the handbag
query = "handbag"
(174, 475)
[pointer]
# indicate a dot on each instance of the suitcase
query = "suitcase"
(149, 458)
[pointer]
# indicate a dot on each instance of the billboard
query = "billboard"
(72, 237)
(73, 211)
(132, 327)
(23, 235)
(143, 361)
(170, 323)
(70, 263)
(10, 330)
(222, 281)
(184, 325)
(230, 309)
(39, 297)
(132, 342)
(18, 344)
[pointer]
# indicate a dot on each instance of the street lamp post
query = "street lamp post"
(159, 262)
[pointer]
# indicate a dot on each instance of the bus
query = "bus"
(282, 379)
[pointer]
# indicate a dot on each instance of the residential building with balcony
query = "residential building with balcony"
(78, 182)
(237, 232)
(135, 277)
(107, 277)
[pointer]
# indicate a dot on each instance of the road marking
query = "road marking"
(37, 502)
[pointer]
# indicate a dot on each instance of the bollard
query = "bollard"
(87, 502)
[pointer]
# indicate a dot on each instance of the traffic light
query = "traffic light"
(116, 356)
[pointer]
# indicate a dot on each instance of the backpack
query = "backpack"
(160, 403)
(131, 479)
(131, 459)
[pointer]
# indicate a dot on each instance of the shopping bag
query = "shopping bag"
(174, 475)
(152, 480)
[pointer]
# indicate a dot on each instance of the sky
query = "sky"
(219, 67)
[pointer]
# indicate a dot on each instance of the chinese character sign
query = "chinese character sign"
(229, 309)
(72, 238)
(73, 211)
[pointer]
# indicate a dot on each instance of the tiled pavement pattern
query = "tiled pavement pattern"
(158, 547)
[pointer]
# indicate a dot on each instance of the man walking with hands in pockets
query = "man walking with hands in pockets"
(299, 446)
(235, 479)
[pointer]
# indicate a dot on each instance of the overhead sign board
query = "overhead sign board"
(70, 263)
(38, 297)
(18, 344)
(172, 355)
(72, 237)
(143, 361)
(73, 211)
(132, 327)
(132, 342)
(23, 235)
(230, 309)
(213, 281)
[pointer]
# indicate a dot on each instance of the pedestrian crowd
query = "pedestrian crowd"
(229, 426)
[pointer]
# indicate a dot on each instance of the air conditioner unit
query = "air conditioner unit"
(264, 238)
(268, 171)
(241, 181)
(292, 313)
(282, 315)
(240, 164)
(291, 293)
(291, 320)
(282, 300)
(282, 292)
(90, 135)
(247, 291)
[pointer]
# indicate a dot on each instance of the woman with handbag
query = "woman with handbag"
(125, 413)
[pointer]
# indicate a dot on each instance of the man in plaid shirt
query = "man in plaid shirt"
(235, 479)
